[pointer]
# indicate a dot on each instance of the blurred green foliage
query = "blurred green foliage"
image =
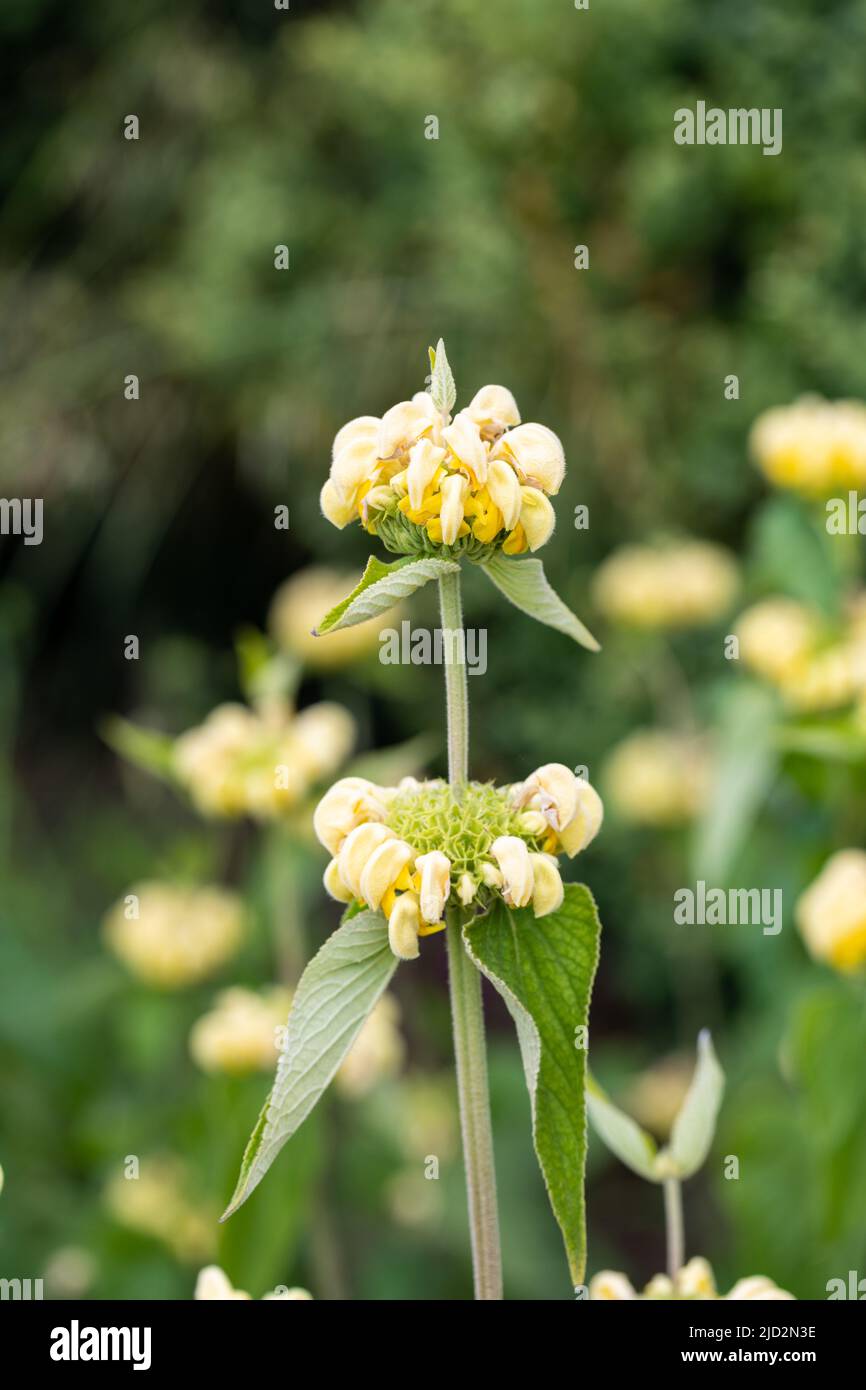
(155, 257)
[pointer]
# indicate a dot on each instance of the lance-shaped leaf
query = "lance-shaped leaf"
(544, 968)
(146, 749)
(442, 387)
(691, 1134)
(524, 583)
(381, 586)
(695, 1125)
(622, 1135)
(335, 996)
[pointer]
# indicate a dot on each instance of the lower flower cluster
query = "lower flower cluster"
(695, 1281)
(414, 849)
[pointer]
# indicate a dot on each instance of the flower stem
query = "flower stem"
(456, 692)
(467, 1012)
(674, 1225)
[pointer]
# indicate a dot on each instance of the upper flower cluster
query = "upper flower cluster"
(423, 481)
(813, 447)
(413, 849)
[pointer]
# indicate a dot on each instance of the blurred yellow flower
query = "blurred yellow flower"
(813, 663)
(831, 913)
(298, 606)
(776, 636)
(669, 586)
(694, 1282)
(658, 778)
(813, 446)
(240, 1034)
(156, 1204)
(241, 762)
(377, 1053)
(171, 935)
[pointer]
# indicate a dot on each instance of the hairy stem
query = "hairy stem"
(467, 1011)
(674, 1225)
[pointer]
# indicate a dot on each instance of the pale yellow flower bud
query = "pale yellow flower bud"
(582, 829)
(355, 464)
(454, 489)
(610, 1286)
(213, 1284)
(467, 446)
(490, 875)
(537, 517)
(403, 926)
(660, 1286)
(435, 870)
(537, 455)
(356, 849)
(404, 423)
(493, 409)
(813, 446)
(364, 428)
(512, 856)
(424, 459)
(334, 507)
(334, 885)
(347, 804)
(383, 868)
(695, 1279)
(534, 822)
(505, 492)
(554, 788)
(547, 889)
(831, 914)
(466, 889)
(757, 1287)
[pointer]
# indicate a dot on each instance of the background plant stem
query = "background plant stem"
(674, 1225)
(467, 1011)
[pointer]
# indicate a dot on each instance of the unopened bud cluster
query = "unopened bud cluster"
(423, 481)
(415, 849)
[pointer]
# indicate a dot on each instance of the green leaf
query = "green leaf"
(145, 748)
(622, 1135)
(794, 555)
(381, 586)
(544, 969)
(524, 583)
(745, 759)
(336, 994)
(695, 1124)
(442, 387)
